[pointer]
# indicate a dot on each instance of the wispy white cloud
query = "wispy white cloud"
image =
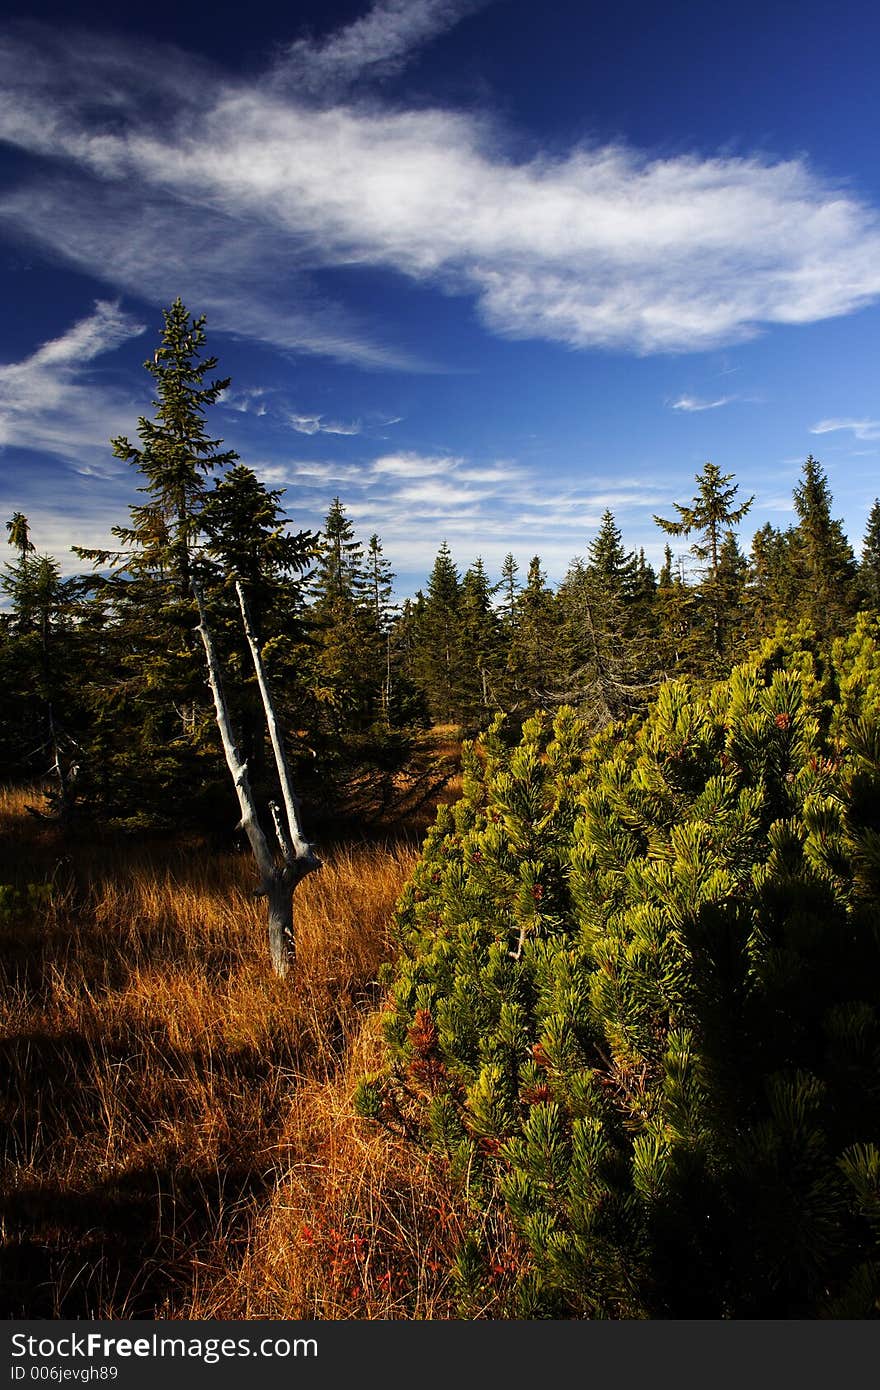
(247, 401)
(693, 403)
(316, 424)
(413, 500)
(374, 46)
(237, 196)
(861, 429)
(414, 465)
(99, 332)
(43, 401)
(263, 401)
(492, 473)
(777, 504)
(434, 493)
(305, 424)
(144, 241)
(320, 471)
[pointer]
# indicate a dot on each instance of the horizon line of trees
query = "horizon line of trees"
(102, 679)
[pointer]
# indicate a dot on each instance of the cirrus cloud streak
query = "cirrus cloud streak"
(51, 400)
(253, 191)
(861, 429)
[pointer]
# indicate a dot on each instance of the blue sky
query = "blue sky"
(480, 269)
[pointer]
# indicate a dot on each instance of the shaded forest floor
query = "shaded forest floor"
(176, 1128)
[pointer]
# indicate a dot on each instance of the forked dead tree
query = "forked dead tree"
(280, 875)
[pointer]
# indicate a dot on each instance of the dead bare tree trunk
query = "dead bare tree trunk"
(278, 880)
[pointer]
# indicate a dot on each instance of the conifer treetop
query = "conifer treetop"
(870, 562)
(822, 537)
(711, 512)
(174, 456)
(606, 553)
(19, 533)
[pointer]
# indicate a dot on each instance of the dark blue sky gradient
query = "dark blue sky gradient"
(516, 431)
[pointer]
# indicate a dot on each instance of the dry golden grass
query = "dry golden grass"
(359, 1224)
(174, 1117)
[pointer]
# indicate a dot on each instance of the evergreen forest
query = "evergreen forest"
(605, 1040)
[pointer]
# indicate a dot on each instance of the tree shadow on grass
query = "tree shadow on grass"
(124, 1247)
(122, 1236)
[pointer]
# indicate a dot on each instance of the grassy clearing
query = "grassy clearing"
(177, 1135)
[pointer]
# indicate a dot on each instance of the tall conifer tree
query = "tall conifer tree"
(40, 717)
(245, 538)
(774, 579)
(436, 661)
(380, 594)
(508, 588)
(152, 721)
(478, 661)
(18, 582)
(606, 660)
(175, 456)
(711, 513)
(530, 674)
(674, 611)
(345, 650)
(824, 552)
(869, 569)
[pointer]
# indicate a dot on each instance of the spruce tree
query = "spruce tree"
(774, 581)
(645, 581)
(244, 534)
(679, 649)
(361, 698)
(436, 659)
(607, 660)
(40, 714)
(175, 456)
(245, 538)
(340, 571)
(869, 569)
(730, 585)
(411, 697)
(829, 569)
(380, 585)
(346, 675)
(530, 675)
(380, 590)
(153, 732)
(479, 654)
(712, 513)
(508, 588)
(18, 583)
(609, 562)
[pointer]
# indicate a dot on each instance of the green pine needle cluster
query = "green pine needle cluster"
(637, 997)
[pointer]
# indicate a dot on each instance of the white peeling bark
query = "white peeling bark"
(303, 854)
(277, 880)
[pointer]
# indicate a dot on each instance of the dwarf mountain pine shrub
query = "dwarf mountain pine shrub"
(638, 993)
